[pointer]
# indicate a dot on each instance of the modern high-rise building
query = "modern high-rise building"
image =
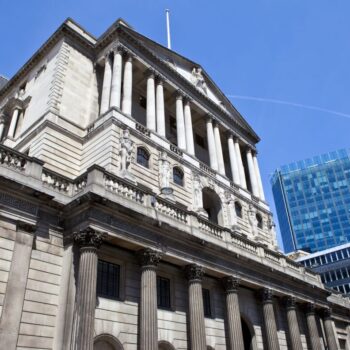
(312, 199)
(132, 214)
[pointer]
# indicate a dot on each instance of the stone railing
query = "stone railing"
(273, 256)
(80, 183)
(13, 159)
(243, 243)
(169, 209)
(209, 227)
(55, 181)
(124, 189)
(293, 265)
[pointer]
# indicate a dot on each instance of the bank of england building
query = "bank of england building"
(132, 212)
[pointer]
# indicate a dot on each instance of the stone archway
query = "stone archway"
(248, 335)
(164, 345)
(107, 342)
(213, 206)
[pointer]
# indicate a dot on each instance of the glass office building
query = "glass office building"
(312, 199)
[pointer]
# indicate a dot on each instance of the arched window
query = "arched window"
(143, 157)
(178, 176)
(238, 209)
(259, 221)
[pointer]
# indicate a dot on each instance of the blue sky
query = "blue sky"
(290, 50)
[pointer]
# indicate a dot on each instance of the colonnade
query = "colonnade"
(115, 94)
(89, 242)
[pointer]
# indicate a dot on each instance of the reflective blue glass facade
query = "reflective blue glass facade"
(312, 200)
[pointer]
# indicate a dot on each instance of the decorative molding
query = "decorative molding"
(89, 238)
(194, 272)
(149, 257)
(266, 295)
(290, 302)
(310, 308)
(26, 227)
(326, 312)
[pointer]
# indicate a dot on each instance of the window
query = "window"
(259, 221)
(143, 157)
(163, 292)
(143, 101)
(172, 122)
(108, 280)
(178, 176)
(199, 140)
(206, 302)
(238, 209)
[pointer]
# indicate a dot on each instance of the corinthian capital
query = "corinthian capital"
(194, 272)
(290, 302)
(231, 284)
(266, 295)
(149, 257)
(89, 237)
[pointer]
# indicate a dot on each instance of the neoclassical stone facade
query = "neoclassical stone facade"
(132, 212)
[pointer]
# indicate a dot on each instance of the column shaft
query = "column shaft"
(148, 302)
(117, 79)
(211, 145)
(13, 124)
(89, 241)
(218, 147)
(2, 125)
(106, 87)
(196, 309)
(312, 328)
(258, 176)
(328, 327)
(151, 103)
(269, 320)
(189, 129)
(180, 123)
(235, 333)
(242, 179)
(233, 160)
(252, 175)
(127, 86)
(293, 327)
(160, 108)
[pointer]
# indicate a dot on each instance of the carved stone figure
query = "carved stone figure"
(198, 79)
(272, 228)
(126, 147)
(252, 221)
(164, 171)
(232, 218)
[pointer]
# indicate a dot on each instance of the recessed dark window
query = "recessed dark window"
(206, 302)
(143, 157)
(200, 140)
(172, 122)
(143, 101)
(238, 209)
(163, 292)
(178, 176)
(108, 280)
(259, 221)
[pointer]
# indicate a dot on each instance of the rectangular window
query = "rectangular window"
(206, 302)
(143, 101)
(199, 140)
(163, 292)
(108, 280)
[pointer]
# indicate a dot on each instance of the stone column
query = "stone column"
(328, 327)
(312, 327)
(242, 180)
(2, 126)
(218, 147)
(233, 160)
(89, 242)
(13, 124)
(151, 101)
(106, 87)
(188, 127)
(127, 86)
(194, 275)
(211, 144)
(149, 260)
(258, 176)
(160, 107)
(235, 333)
(180, 123)
(252, 175)
(269, 319)
(116, 89)
(293, 327)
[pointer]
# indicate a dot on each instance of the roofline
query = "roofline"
(325, 251)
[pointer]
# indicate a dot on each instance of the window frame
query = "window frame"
(259, 221)
(118, 282)
(238, 203)
(169, 305)
(148, 160)
(176, 167)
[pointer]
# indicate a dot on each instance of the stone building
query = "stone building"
(132, 214)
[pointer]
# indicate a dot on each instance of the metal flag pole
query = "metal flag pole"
(168, 28)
